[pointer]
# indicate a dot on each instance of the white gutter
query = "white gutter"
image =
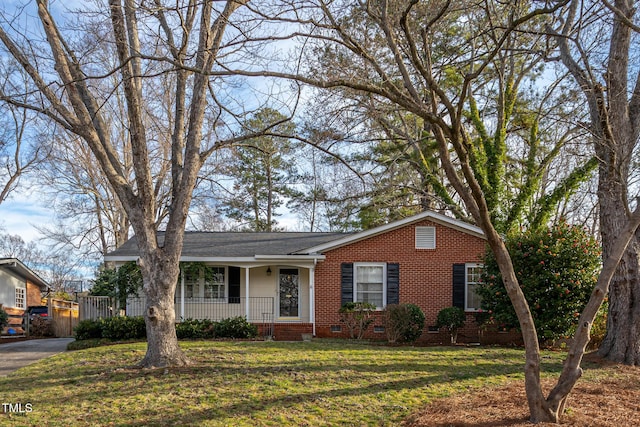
(312, 297)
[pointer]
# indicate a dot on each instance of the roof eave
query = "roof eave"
(284, 257)
(26, 272)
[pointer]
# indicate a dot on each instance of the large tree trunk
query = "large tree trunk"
(160, 276)
(622, 342)
(539, 408)
(615, 123)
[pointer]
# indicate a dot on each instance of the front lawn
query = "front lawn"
(253, 383)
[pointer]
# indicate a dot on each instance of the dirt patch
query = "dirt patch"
(610, 397)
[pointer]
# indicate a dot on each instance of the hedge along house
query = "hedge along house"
(296, 283)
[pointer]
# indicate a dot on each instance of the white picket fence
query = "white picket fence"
(97, 307)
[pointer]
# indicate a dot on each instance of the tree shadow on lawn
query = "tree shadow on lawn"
(124, 382)
(247, 405)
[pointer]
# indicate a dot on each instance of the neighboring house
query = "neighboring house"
(20, 288)
(296, 282)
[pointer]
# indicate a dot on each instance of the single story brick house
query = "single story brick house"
(295, 282)
(20, 288)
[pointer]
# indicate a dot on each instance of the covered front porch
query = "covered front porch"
(277, 295)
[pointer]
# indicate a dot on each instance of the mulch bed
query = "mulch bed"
(613, 400)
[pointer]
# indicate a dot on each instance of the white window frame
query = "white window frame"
(427, 233)
(357, 265)
(21, 298)
(225, 284)
(199, 286)
(468, 282)
(196, 290)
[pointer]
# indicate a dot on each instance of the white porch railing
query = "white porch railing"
(261, 309)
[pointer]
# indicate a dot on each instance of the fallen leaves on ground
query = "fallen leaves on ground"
(610, 398)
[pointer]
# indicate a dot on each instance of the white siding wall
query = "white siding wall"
(260, 285)
(8, 285)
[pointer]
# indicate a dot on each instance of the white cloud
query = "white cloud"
(22, 213)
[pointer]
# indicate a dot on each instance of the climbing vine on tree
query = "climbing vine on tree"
(557, 268)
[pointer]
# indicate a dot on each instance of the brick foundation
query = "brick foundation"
(291, 331)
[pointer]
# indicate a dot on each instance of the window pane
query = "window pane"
(368, 274)
(21, 298)
(214, 282)
(191, 284)
(474, 273)
(370, 287)
(373, 298)
(370, 284)
(473, 299)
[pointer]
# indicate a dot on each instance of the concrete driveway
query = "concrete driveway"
(15, 355)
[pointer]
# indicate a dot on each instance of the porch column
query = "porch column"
(181, 295)
(312, 298)
(246, 292)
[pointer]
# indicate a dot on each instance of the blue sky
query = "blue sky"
(22, 212)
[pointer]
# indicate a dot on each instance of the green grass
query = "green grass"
(253, 384)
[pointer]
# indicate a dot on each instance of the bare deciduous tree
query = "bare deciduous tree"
(186, 40)
(19, 151)
(420, 49)
(596, 46)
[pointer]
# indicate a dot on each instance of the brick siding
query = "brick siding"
(291, 331)
(425, 276)
(34, 296)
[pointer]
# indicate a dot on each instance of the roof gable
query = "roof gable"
(433, 216)
(15, 266)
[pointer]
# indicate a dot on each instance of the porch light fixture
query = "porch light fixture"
(268, 271)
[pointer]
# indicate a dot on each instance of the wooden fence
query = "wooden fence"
(64, 316)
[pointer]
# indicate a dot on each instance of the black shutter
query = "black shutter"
(234, 285)
(393, 283)
(458, 285)
(346, 282)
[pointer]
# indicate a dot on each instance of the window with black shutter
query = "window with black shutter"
(370, 284)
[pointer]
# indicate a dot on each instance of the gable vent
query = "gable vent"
(425, 237)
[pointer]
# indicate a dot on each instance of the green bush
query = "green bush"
(403, 322)
(124, 328)
(451, 318)
(557, 269)
(195, 329)
(4, 318)
(88, 329)
(133, 328)
(235, 327)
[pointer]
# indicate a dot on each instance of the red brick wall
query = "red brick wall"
(285, 331)
(425, 274)
(34, 296)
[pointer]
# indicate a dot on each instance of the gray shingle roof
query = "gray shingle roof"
(238, 244)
